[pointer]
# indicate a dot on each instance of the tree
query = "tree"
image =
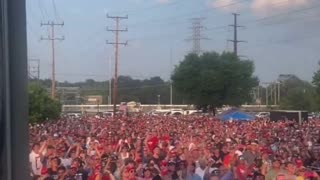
(145, 91)
(214, 79)
(41, 106)
(316, 83)
(299, 99)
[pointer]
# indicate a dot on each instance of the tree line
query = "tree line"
(209, 81)
(145, 91)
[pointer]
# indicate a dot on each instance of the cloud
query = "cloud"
(163, 1)
(136, 1)
(258, 7)
(226, 5)
(266, 7)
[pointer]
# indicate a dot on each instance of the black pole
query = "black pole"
(13, 91)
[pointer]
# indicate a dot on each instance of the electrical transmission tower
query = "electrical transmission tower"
(196, 35)
(52, 38)
(235, 30)
(34, 69)
(116, 44)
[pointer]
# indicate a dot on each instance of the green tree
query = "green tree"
(299, 99)
(41, 106)
(316, 83)
(145, 91)
(213, 80)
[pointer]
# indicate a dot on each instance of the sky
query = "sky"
(282, 36)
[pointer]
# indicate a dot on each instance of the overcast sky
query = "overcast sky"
(283, 35)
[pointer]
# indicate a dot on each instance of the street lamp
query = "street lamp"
(98, 104)
(159, 99)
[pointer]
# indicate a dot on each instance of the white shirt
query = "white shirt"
(124, 156)
(66, 162)
(200, 172)
(36, 164)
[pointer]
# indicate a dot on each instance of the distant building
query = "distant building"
(69, 95)
(93, 100)
(286, 77)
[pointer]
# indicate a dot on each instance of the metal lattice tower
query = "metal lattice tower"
(34, 69)
(197, 35)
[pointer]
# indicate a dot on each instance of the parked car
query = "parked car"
(263, 115)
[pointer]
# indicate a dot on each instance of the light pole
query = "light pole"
(159, 99)
(98, 104)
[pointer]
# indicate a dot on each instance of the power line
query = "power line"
(207, 29)
(184, 15)
(55, 11)
(152, 7)
(174, 23)
(44, 14)
(42, 10)
(176, 19)
(53, 39)
(282, 14)
(31, 29)
(116, 44)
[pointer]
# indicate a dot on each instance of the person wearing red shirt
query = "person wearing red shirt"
(152, 142)
(96, 173)
(241, 169)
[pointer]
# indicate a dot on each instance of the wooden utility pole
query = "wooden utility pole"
(52, 38)
(116, 44)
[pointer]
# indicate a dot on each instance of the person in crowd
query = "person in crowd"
(146, 147)
(53, 168)
(62, 172)
(191, 175)
(275, 170)
(202, 168)
(35, 160)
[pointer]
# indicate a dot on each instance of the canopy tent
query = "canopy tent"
(237, 116)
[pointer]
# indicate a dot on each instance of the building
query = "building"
(69, 95)
(93, 100)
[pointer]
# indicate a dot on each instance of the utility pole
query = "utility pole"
(116, 44)
(279, 86)
(275, 93)
(110, 79)
(196, 35)
(52, 38)
(159, 99)
(235, 31)
(258, 92)
(267, 96)
(171, 85)
(34, 69)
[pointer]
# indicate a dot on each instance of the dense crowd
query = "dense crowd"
(186, 147)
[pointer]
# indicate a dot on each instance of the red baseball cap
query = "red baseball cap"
(299, 163)
(44, 171)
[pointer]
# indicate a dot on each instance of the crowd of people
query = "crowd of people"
(179, 148)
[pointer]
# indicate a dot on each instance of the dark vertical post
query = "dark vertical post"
(13, 91)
